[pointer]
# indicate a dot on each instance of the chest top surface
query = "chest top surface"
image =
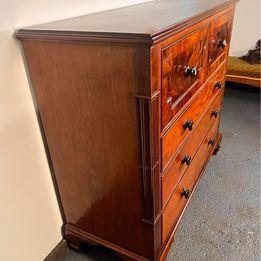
(148, 19)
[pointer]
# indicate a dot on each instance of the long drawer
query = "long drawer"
(218, 42)
(185, 156)
(189, 119)
(181, 194)
(183, 71)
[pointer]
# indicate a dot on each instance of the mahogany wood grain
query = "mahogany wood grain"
(75, 235)
(171, 235)
(220, 31)
(164, 254)
(99, 89)
(177, 133)
(176, 168)
(145, 21)
(168, 38)
(90, 123)
(177, 202)
(177, 86)
(155, 71)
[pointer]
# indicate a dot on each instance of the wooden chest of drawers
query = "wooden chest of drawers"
(129, 101)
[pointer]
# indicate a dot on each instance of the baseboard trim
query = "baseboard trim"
(59, 252)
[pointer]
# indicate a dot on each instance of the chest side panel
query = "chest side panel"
(86, 97)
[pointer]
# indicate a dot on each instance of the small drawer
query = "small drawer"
(183, 70)
(219, 39)
(184, 158)
(180, 196)
(189, 119)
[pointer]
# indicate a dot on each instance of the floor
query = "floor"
(222, 220)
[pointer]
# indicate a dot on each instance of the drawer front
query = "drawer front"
(189, 119)
(180, 196)
(219, 39)
(183, 70)
(185, 157)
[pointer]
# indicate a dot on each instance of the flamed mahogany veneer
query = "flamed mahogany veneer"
(129, 103)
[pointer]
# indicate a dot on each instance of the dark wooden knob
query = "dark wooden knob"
(214, 114)
(187, 159)
(218, 84)
(216, 150)
(211, 142)
(193, 71)
(188, 125)
(222, 43)
(185, 193)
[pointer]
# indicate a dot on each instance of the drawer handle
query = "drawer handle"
(222, 44)
(185, 193)
(218, 84)
(188, 125)
(187, 160)
(214, 114)
(193, 71)
(211, 142)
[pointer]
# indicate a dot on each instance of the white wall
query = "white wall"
(30, 221)
(246, 29)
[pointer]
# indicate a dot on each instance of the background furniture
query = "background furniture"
(240, 71)
(130, 102)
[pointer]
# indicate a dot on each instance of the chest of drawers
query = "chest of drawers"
(129, 103)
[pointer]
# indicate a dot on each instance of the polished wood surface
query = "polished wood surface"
(130, 112)
(219, 40)
(176, 168)
(150, 18)
(72, 114)
(183, 71)
(174, 137)
(177, 202)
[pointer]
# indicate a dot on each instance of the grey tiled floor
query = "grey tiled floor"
(222, 220)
